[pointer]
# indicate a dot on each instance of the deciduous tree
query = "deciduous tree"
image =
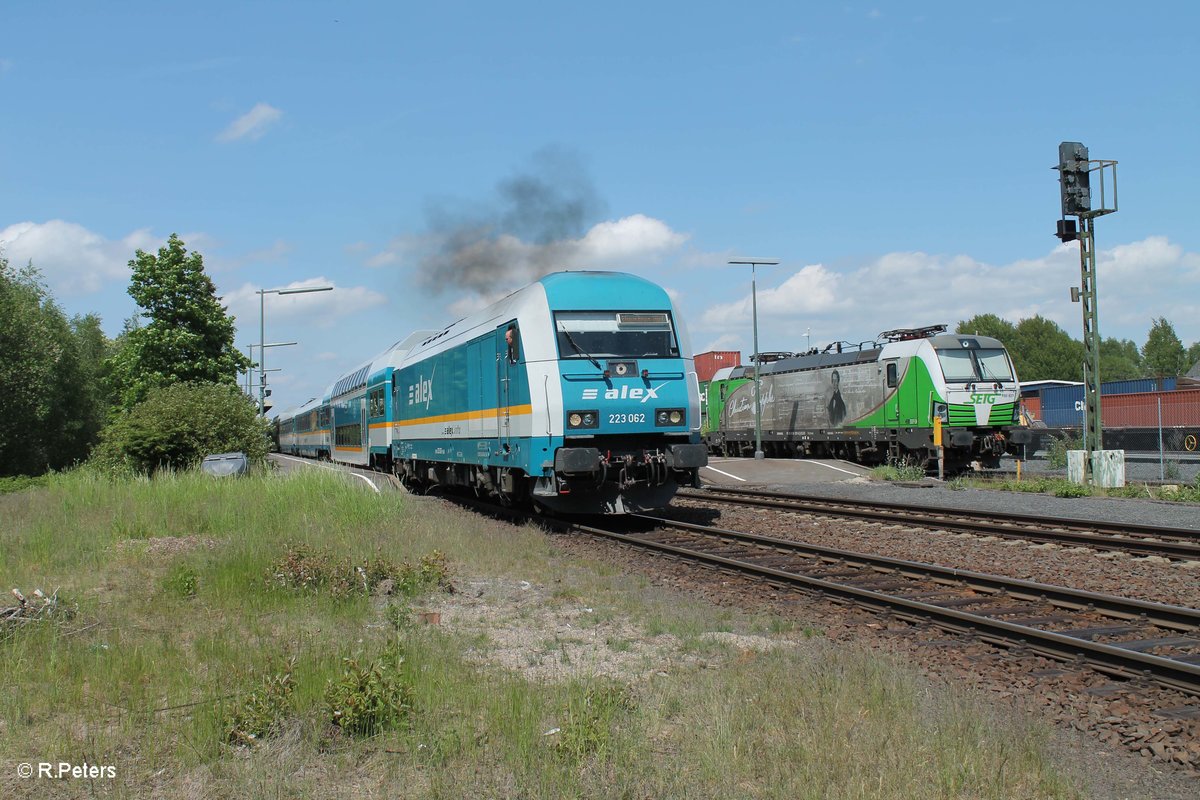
(1046, 352)
(1163, 353)
(188, 337)
(49, 411)
(1120, 360)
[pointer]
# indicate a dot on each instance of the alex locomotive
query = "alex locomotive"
(875, 401)
(577, 393)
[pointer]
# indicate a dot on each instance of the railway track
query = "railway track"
(1129, 639)
(1143, 540)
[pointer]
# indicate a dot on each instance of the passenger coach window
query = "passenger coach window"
(615, 334)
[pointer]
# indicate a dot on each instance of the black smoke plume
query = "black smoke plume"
(532, 228)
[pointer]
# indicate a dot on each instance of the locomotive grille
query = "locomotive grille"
(962, 414)
(1003, 414)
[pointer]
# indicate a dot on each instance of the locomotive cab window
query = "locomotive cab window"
(512, 338)
(892, 375)
(615, 334)
(975, 364)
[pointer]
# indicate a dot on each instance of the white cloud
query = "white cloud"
(319, 309)
(1137, 282)
(813, 289)
(251, 125)
(73, 259)
(626, 240)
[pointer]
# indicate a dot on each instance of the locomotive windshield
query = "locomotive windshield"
(615, 334)
(975, 364)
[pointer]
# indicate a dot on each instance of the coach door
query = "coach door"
(366, 425)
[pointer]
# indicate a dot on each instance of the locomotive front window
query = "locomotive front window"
(615, 334)
(993, 365)
(981, 364)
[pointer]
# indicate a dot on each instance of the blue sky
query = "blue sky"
(423, 159)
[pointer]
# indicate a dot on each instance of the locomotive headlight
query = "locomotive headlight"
(582, 419)
(669, 416)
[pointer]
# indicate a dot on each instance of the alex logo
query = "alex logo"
(982, 399)
(625, 393)
(421, 392)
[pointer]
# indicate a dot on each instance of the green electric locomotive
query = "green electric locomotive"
(875, 402)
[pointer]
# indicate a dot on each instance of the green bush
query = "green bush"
(369, 699)
(259, 713)
(19, 483)
(1056, 451)
(176, 426)
(1072, 490)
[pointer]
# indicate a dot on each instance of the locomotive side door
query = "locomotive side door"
(508, 353)
(891, 390)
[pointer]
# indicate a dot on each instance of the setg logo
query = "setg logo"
(982, 399)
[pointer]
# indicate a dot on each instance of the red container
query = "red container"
(1032, 406)
(708, 363)
(1141, 410)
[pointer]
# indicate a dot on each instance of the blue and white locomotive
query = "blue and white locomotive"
(577, 393)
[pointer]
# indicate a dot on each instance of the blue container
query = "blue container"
(1061, 417)
(1061, 397)
(1135, 385)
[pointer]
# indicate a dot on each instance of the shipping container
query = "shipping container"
(708, 363)
(1070, 396)
(1174, 409)
(1142, 410)
(1062, 417)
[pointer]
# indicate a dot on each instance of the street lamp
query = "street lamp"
(754, 262)
(262, 335)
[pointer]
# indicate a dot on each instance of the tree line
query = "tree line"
(1043, 351)
(70, 392)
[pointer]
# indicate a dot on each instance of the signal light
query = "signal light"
(1073, 177)
(1067, 232)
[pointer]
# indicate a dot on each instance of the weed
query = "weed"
(305, 568)
(1057, 449)
(898, 471)
(369, 699)
(1066, 489)
(592, 715)
(260, 713)
(400, 616)
(181, 581)
(1171, 470)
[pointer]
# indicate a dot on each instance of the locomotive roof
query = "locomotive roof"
(956, 340)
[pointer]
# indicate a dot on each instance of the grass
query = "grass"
(898, 472)
(1061, 487)
(194, 671)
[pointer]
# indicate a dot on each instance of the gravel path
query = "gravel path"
(930, 493)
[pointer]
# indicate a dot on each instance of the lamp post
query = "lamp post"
(262, 335)
(754, 262)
